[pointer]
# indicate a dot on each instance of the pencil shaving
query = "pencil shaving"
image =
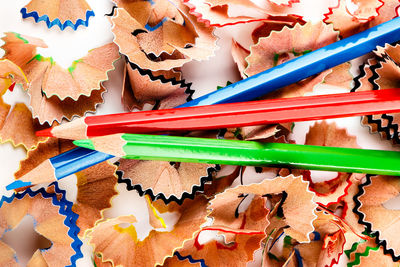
(239, 53)
(83, 76)
(226, 212)
(53, 110)
(63, 13)
(381, 72)
(214, 253)
(20, 48)
(155, 220)
(76, 94)
(219, 13)
(96, 188)
(267, 27)
(268, 53)
(16, 117)
(340, 76)
(378, 219)
(331, 191)
(107, 236)
(369, 254)
(168, 180)
(176, 262)
(295, 205)
(284, 2)
(146, 87)
(351, 17)
(328, 244)
(149, 39)
(10, 73)
(49, 211)
(19, 127)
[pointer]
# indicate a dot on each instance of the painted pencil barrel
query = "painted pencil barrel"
(304, 66)
(76, 160)
(248, 153)
(275, 78)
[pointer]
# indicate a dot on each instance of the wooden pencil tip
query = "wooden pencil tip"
(45, 132)
(17, 184)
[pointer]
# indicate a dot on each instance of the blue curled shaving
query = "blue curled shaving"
(190, 259)
(150, 28)
(298, 257)
(147, 26)
(65, 209)
(67, 23)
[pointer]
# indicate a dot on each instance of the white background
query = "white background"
(68, 45)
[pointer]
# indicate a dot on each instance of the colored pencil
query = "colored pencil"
(284, 74)
(232, 115)
(245, 153)
(60, 166)
(304, 66)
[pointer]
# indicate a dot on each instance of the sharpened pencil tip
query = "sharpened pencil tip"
(17, 184)
(45, 132)
(86, 143)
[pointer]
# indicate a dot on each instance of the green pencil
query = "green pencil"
(245, 153)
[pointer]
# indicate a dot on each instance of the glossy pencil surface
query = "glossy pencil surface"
(76, 160)
(304, 66)
(233, 115)
(319, 60)
(60, 166)
(246, 153)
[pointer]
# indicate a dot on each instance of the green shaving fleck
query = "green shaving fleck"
(287, 241)
(237, 132)
(276, 57)
(292, 126)
(354, 247)
(273, 257)
(295, 53)
(73, 65)
(39, 57)
(20, 37)
(358, 256)
(301, 53)
(227, 83)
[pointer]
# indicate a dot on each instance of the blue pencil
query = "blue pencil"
(255, 86)
(60, 166)
(305, 66)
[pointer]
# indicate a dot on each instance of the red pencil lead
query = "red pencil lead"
(45, 132)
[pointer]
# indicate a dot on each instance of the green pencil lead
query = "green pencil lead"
(86, 143)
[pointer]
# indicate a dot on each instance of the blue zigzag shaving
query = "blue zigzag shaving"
(68, 23)
(65, 209)
(150, 28)
(191, 260)
(298, 257)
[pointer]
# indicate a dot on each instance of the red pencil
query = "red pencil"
(232, 115)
